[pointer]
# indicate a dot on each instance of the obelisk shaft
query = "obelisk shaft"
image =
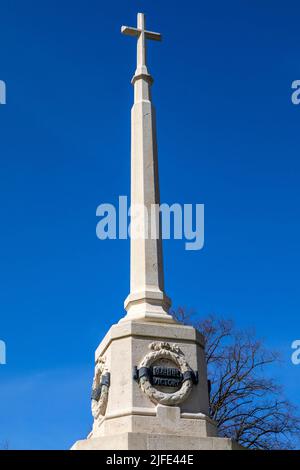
(147, 299)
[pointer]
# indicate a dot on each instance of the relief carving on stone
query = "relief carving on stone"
(162, 352)
(100, 388)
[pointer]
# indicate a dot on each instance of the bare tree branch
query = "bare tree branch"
(247, 404)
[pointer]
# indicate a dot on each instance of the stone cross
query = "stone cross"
(142, 34)
(147, 299)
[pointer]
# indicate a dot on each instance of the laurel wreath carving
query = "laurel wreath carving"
(161, 350)
(99, 406)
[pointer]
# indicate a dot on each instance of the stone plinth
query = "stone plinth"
(131, 419)
(137, 441)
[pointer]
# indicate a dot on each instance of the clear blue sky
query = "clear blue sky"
(228, 137)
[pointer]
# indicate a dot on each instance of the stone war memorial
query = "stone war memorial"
(150, 387)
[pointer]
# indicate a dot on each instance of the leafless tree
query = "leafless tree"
(245, 401)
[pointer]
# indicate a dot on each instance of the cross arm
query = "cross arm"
(129, 31)
(152, 35)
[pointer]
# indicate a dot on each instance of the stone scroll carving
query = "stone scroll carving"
(100, 388)
(160, 353)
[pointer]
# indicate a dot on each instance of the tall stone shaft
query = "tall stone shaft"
(147, 298)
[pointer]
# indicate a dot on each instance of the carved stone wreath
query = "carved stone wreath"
(100, 388)
(173, 353)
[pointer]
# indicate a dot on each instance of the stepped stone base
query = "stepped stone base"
(137, 441)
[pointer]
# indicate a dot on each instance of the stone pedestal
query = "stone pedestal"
(132, 419)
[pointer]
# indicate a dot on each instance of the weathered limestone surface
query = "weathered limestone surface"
(136, 441)
(132, 421)
(124, 346)
(147, 299)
